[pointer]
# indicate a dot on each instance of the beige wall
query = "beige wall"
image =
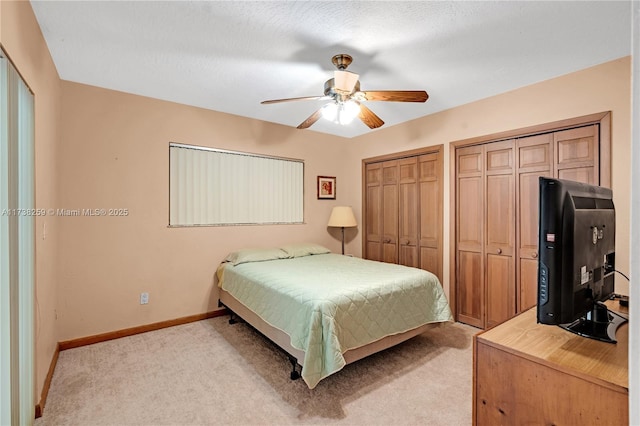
(606, 87)
(21, 38)
(115, 154)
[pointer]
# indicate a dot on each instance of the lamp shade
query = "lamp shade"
(342, 216)
(345, 81)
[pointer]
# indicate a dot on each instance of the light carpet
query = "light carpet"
(210, 372)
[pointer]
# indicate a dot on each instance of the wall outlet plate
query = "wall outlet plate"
(144, 298)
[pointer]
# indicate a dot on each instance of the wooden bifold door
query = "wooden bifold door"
(402, 204)
(496, 212)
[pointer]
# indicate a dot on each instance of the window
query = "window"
(217, 187)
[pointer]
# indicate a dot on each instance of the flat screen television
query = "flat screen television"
(576, 262)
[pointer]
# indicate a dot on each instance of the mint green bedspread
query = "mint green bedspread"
(330, 303)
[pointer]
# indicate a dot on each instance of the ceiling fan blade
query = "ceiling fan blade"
(396, 95)
(305, 98)
(369, 118)
(345, 81)
(312, 119)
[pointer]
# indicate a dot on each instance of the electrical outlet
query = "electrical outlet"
(144, 298)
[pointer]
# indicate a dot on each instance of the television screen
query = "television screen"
(576, 258)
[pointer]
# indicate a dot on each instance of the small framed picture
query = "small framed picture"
(326, 187)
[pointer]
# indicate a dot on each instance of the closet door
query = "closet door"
(373, 207)
(577, 154)
(390, 211)
(496, 211)
(500, 232)
(535, 159)
(408, 212)
(402, 197)
(429, 172)
(470, 232)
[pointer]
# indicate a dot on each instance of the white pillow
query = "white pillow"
(304, 249)
(256, 255)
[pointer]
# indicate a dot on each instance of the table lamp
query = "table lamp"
(342, 217)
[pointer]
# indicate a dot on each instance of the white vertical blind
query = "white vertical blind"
(17, 263)
(216, 187)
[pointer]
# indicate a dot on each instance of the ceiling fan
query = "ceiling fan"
(344, 92)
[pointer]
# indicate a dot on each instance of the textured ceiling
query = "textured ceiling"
(230, 55)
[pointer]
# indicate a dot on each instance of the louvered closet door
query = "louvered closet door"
(429, 172)
(500, 232)
(390, 211)
(408, 212)
(535, 159)
(469, 238)
(373, 178)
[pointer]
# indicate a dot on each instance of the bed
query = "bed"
(327, 310)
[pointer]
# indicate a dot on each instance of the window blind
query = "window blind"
(218, 187)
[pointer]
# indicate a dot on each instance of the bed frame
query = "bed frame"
(296, 356)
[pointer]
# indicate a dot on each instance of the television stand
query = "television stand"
(599, 323)
(525, 373)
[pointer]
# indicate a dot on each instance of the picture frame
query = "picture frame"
(326, 188)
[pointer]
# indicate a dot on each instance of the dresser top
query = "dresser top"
(600, 362)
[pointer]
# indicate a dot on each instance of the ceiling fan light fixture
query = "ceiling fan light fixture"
(345, 81)
(344, 90)
(330, 111)
(348, 111)
(341, 112)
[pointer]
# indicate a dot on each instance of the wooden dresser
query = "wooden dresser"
(529, 373)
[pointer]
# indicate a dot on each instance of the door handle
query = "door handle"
(534, 255)
(499, 251)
